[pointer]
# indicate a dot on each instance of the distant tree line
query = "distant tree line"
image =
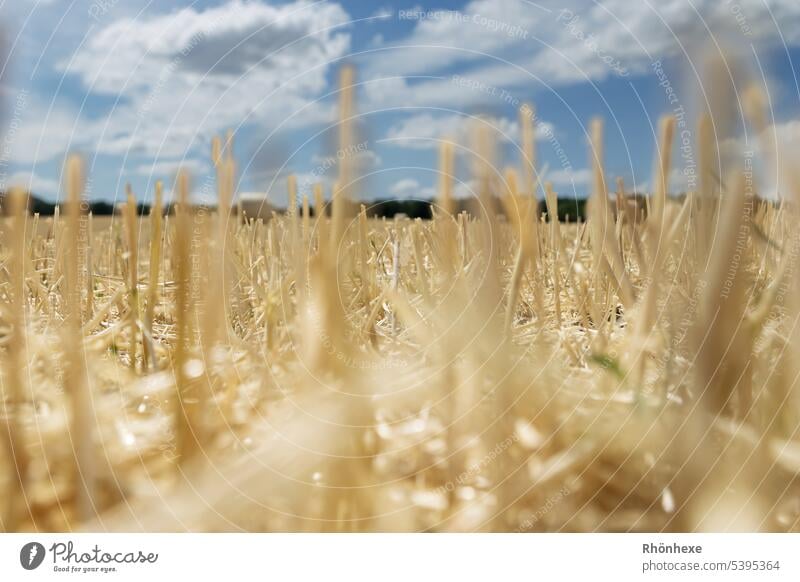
(569, 209)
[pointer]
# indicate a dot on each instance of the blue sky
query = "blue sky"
(139, 88)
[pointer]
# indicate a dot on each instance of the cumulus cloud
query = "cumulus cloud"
(513, 43)
(168, 168)
(426, 130)
(189, 73)
(405, 188)
(226, 42)
(32, 182)
(363, 160)
(41, 131)
(563, 177)
(466, 189)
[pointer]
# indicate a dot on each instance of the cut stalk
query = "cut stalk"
(132, 232)
(17, 379)
(445, 226)
(306, 224)
(555, 247)
(341, 192)
(156, 219)
(363, 250)
(82, 409)
(186, 413)
(319, 215)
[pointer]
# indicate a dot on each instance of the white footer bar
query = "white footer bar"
(400, 557)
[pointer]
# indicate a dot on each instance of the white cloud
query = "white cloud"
(408, 187)
(368, 160)
(383, 92)
(191, 73)
(569, 177)
(382, 13)
(228, 41)
(31, 182)
(428, 193)
(513, 43)
(444, 38)
(42, 131)
(363, 161)
(679, 181)
(168, 168)
(466, 189)
(405, 188)
(425, 130)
